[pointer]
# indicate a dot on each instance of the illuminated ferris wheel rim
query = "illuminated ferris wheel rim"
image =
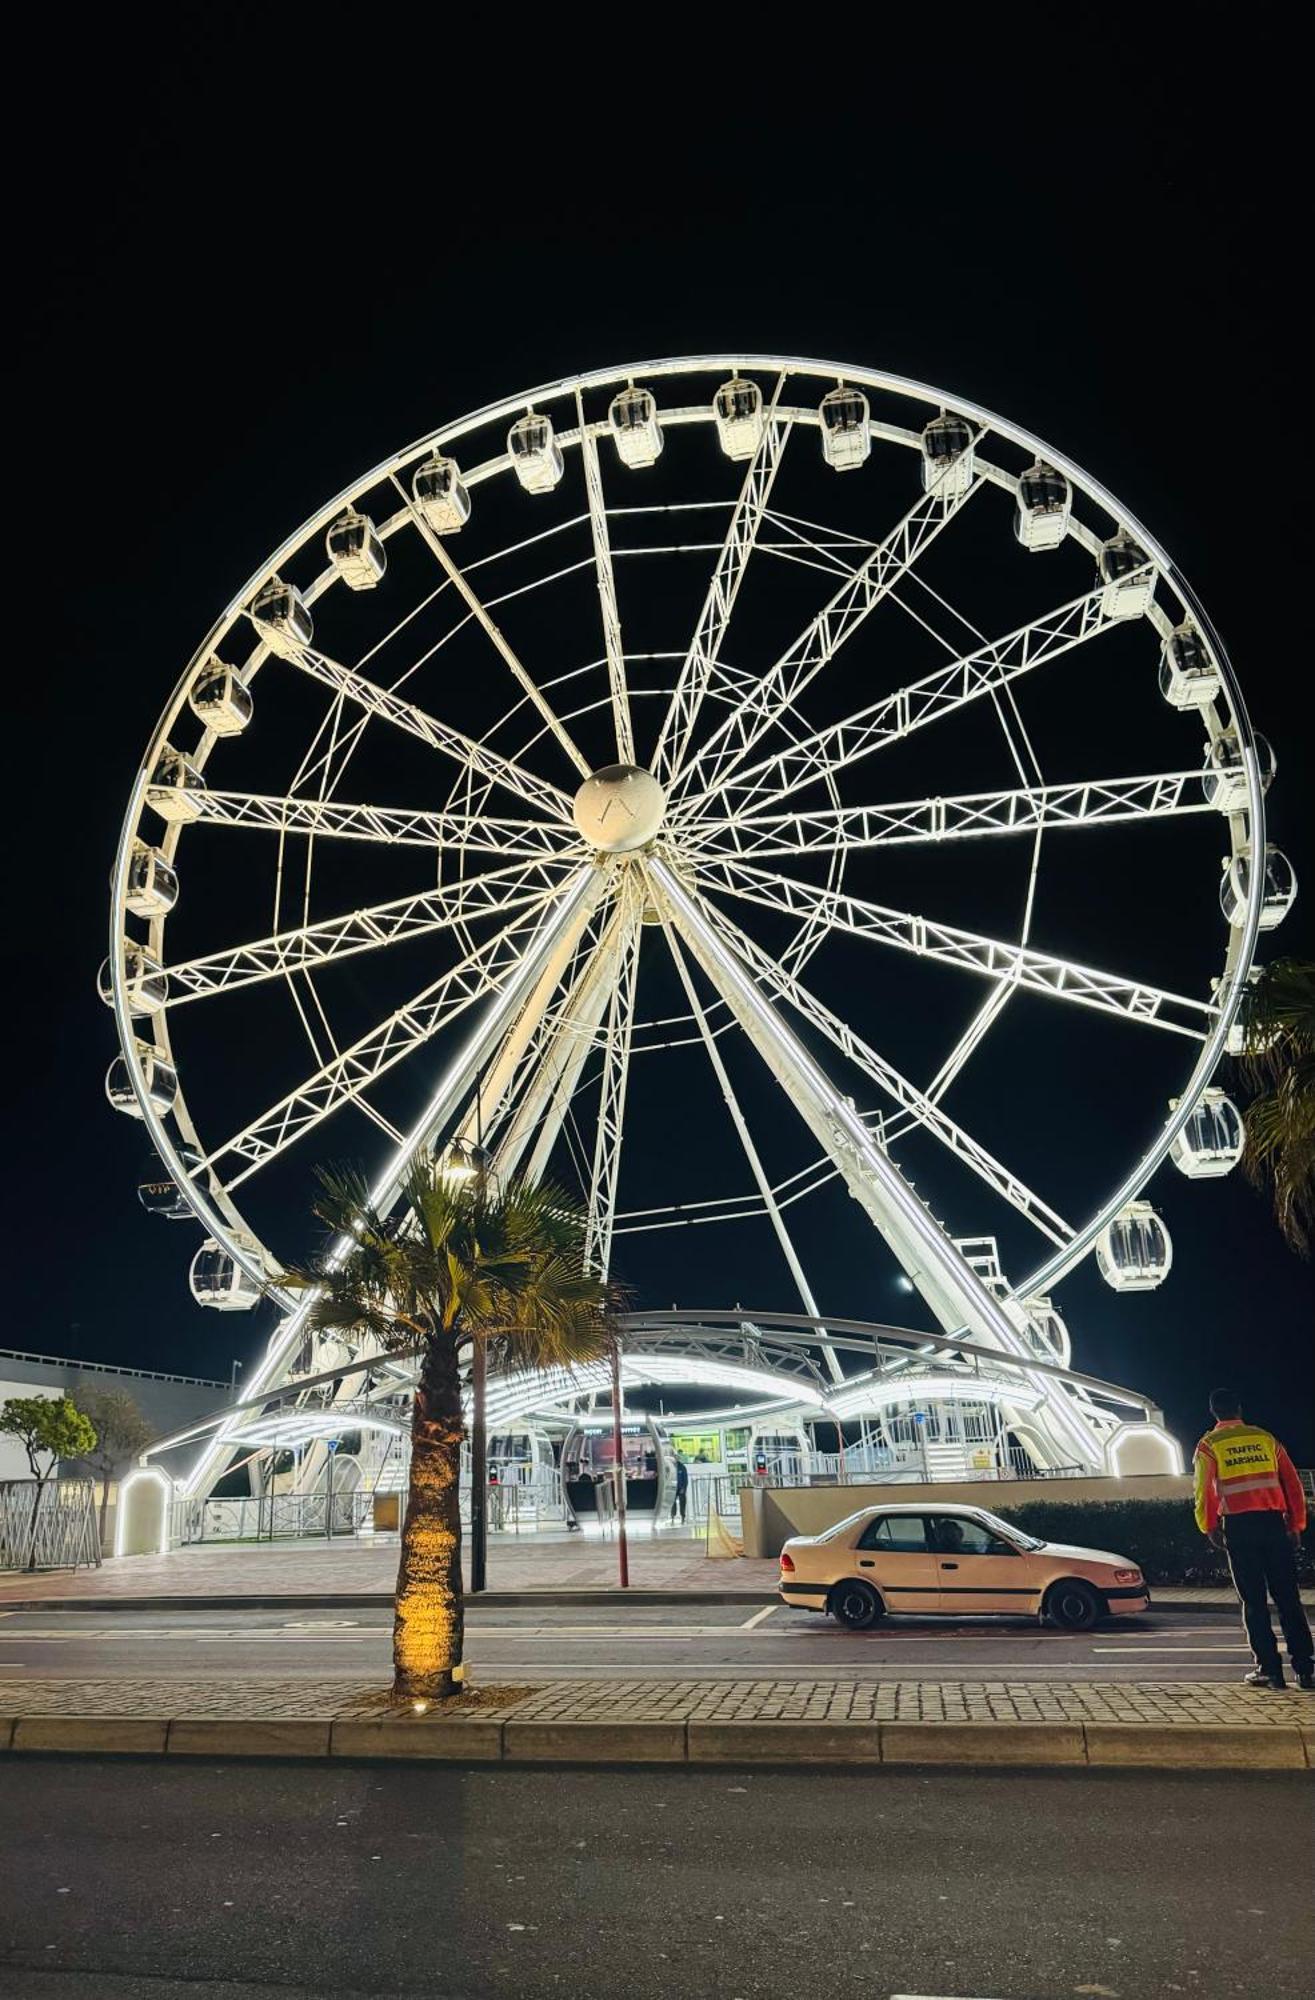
(1246, 824)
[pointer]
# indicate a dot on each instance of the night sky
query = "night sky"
(246, 281)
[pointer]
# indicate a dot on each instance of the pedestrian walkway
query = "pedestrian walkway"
(636, 1699)
(353, 1568)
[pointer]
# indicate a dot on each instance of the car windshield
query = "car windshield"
(1010, 1530)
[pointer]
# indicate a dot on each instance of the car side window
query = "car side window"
(958, 1535)
(906, 1533)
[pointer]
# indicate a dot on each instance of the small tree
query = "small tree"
(49, 1425)
(460, 1264)
(121, 1432)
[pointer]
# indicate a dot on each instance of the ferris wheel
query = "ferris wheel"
(741, 679)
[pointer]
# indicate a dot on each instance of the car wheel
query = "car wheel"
(1074, 1605)
(857, 1605)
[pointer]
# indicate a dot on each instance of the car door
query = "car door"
(978, 1570)
(896, 1553)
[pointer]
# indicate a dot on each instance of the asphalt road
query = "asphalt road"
(137, 1881)
(600, 1639)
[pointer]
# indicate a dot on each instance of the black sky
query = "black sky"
(243, 276)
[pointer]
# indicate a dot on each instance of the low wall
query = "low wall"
(771, 1514)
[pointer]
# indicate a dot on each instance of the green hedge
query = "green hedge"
(1160, 1535)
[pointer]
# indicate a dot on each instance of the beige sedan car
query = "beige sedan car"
(957, 1560)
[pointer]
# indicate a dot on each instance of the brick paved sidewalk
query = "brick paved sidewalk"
(311, 1569)
(264, 1698)
(314, 1570)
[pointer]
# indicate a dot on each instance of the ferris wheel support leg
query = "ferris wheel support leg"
(557, 1076)
(952, 1289)
(756, 1167)
(574, 909)
(496, 1080)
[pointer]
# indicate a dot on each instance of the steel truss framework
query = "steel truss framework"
(535, 1020)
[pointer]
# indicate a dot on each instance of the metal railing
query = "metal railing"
(48, 1526)
(110, 1368)
(283, 1516)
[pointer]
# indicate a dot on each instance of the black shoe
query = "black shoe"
(1306, 1682)
(1259, 1678)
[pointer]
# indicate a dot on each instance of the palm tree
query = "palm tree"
(462, 1262)
(1278, 1063)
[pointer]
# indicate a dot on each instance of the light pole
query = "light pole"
(618, 1455)
(464, 1162)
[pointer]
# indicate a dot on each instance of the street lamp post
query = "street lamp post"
(618, 1455)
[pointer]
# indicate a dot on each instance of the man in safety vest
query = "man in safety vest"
(1249, 1501)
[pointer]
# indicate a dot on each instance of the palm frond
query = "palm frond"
(1278, 1065)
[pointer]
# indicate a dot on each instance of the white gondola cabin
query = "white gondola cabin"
(282, 618)
(355, 550)
(1045, 501)
(947, 456)
(159, 1075)
(1224, 779)
(145, 983)
(152, 882)
(1189, 673)
(1133, 1251)
(1277, 896)
(176, 787)
(220, 700)
(1212, 1141)
(440, 494)
(634, 425)
(737, 410)
(1244, 1036)
(159, 1194)
(1128, 576)
(219, 1281)
(846, 428)
(535, 454)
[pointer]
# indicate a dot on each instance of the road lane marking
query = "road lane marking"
(1129, 1652)
(759, 1617)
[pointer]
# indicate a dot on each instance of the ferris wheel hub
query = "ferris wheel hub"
(620, 808)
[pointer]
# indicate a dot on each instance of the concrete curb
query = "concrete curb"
(376, 1600)
(481, 1739)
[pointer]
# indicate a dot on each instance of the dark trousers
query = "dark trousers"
(1264, 1565)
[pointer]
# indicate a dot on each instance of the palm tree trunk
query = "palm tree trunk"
(429, 1619)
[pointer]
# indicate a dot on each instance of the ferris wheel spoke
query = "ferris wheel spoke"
(966, 816)
(385, 826)
(484, 618)
(953, 1290)
(816, 646)
(473, 755)
(701, 660)
(916, 1106)
(309, 946)
(605, 1173)
(486, 970)
(761, 1178)
(757, 788)
(993, 958)
(606, 578)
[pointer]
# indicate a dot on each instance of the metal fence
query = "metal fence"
(48, 1526)
(280, 1516)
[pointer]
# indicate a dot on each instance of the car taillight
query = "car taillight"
(1127, 1576)
(787, 1560)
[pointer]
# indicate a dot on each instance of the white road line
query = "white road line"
(1131, 1652)
(759, 1617)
